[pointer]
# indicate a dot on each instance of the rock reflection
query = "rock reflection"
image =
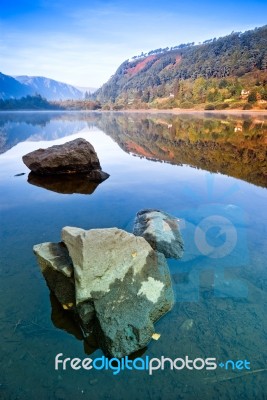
(65, 184)
(66, 321)
(63, 319)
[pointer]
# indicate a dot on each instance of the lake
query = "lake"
(208, 171)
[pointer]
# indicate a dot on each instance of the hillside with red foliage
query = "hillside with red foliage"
(138, 67)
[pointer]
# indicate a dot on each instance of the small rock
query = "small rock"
(22, 173)
(161, 231)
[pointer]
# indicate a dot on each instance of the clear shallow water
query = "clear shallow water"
(220, 289)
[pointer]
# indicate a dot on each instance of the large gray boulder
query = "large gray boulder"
(102, 256)
(126, 314)
(161, 231)
(128, 282)
(77, 156)
(122, 286)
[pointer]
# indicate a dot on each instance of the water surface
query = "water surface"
(209, 172)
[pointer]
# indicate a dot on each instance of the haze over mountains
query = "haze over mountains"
(11, 88)
(19, 86)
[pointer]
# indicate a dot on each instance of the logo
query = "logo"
(215, 238)
(116, 365)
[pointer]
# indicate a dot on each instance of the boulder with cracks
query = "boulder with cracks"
(116, 285)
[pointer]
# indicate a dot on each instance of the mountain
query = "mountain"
(215, 71)
(11, 88)
(49, 88)
(19, 86)
(86, 89)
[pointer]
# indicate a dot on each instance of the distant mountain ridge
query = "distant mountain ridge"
(12, 88)
(88, 89)
(19, 86)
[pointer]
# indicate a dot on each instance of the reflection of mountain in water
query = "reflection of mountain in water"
(231, 145)
(235, 147)
(21, 126)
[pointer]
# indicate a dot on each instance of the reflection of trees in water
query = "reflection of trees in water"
(232, 145)
(207, 143)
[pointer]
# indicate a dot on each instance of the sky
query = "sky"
(83, 42)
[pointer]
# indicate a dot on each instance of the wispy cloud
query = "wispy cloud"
(84, 42)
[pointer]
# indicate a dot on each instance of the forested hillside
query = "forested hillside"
(218, 72)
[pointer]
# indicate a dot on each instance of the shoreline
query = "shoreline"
(178, 111)
(174, 111)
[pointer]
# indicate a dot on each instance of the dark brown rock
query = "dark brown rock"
(77, 156)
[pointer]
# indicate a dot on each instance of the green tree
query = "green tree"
(252, 97)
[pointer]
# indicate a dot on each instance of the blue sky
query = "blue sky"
(83, 42)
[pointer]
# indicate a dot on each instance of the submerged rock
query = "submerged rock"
(187, 325)
(122, 286)
(77, 156)
(161, 231)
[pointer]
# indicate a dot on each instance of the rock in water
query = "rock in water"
(122, 286)
(126, 314)
(161, 231)
(54, 256)
(101, 256)
(77, 156)
(128, 282)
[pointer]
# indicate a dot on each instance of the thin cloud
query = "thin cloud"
(84, 44)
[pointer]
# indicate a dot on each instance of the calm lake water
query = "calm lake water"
(211, 172)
